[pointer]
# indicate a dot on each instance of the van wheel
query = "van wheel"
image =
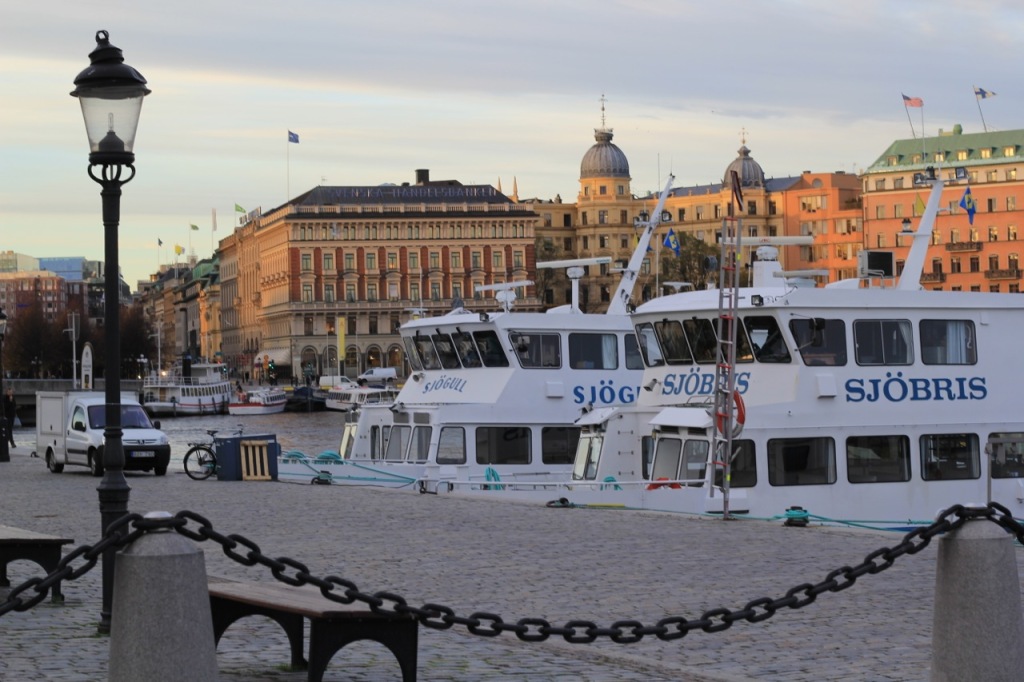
(95, 464)
(52, 464)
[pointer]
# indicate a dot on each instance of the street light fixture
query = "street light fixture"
(5, 453)
(111, 93)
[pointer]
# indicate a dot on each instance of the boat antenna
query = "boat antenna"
(621, 301)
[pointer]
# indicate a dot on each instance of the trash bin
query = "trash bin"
(247, 457)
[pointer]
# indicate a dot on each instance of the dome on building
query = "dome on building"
(749, 171)
(604, 159)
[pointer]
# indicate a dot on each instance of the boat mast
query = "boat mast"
(922, 238)
(623, 295)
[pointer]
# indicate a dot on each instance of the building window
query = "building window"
(1011, 174)
(880, 212)
(435, 291)
(993, 262)
(307, 325)
(993, 234)
(517, 260)
(986, 153)
(1011, 203)
(328, 261)
(307, 293)
(371, 262)
(435, 260)
(371, 292)
(329, 293)
(897, 183)
(602, 190)
(620, 190)
(880, 185)
(496, 260)
(392, 261)
(307, 262)
(350, 261)
(414, 261)
(350, 293)
(991, 176)
(414, 292)
(602, 217)
(474, 258)
(583, 218)
(1011, 233)
(975, 264)
(456, 260)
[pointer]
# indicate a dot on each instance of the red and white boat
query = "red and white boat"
(258, 401)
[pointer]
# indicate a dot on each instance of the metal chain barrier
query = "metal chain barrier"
(483, 624)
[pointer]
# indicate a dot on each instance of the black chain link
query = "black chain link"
(483, 624)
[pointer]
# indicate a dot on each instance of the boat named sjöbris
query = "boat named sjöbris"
(203, 388)
(258, 401)
(858, 403)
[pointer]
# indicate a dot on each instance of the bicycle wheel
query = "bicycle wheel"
(200, 462)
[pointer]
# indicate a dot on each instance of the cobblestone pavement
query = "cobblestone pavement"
(514, 560)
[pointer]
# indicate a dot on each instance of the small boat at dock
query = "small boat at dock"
(257, 401)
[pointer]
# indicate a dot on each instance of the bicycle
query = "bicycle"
(200, 461)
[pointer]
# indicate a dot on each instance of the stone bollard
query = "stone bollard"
(978, 628)
(161, 627)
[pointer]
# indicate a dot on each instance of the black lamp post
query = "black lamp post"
(111, 93)
(5, 453)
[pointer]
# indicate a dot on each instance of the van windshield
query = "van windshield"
(132, 417)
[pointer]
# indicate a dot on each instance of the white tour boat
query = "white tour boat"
(258, 401)
(493, 396)
(864, 401)
(352, 398)
(203, 388)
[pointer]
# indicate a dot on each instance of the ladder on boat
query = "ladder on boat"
(726, 398)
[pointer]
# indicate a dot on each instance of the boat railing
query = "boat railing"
(481, 482)
(167, 382)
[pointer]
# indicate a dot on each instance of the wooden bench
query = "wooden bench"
(16, 544)
(331, 625)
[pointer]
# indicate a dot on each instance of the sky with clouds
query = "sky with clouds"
(474, 91)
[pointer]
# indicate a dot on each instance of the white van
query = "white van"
(378, 376)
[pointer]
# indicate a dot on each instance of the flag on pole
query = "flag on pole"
(293, 137)
(672, 241)
(178, 250)
(737, 190)
(967, 203)
(159, 242)
(918, 205)
(239, 209)
(982, 93)
(194, 227)
(912, 101)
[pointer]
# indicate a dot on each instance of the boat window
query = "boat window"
(648, 343)
(490, 349)
(948, 342)
(466, 348)
(666, 459)
(588, 456)
(375, 441)
(821, 342)
(420, 444)
(502, 445)
(593, 351)
(646, 455)
(558, 444)
(412, 354)
(743, 467)
(425, 349)
(883, 342)
(695, 461)
(801, 461)
(445, 348)
(633, 359)
(766, 338)
(744, 353)
(702, 338)
(871, 459)
(537, 350)
(673, 342)
(348, 438)
(1007, 455)
(950, 456)
(397, 440)
(451, 445)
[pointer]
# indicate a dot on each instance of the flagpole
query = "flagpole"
(978, 100)
(288, 165)
(909, 120)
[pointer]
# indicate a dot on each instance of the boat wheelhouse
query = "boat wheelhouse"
(257, 401)
(200, 388)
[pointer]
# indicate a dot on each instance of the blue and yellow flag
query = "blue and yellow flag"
(672, 242)
(179, 249)
(967, 203)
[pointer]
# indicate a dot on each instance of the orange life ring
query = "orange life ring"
(655, 486)
(739, 419)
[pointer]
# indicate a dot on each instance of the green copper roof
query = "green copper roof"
(956, 149)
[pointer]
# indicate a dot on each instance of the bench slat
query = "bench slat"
(12, 535)
(305, 601)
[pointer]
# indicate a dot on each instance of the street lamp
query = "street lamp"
(5, 453)
(111, 93)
